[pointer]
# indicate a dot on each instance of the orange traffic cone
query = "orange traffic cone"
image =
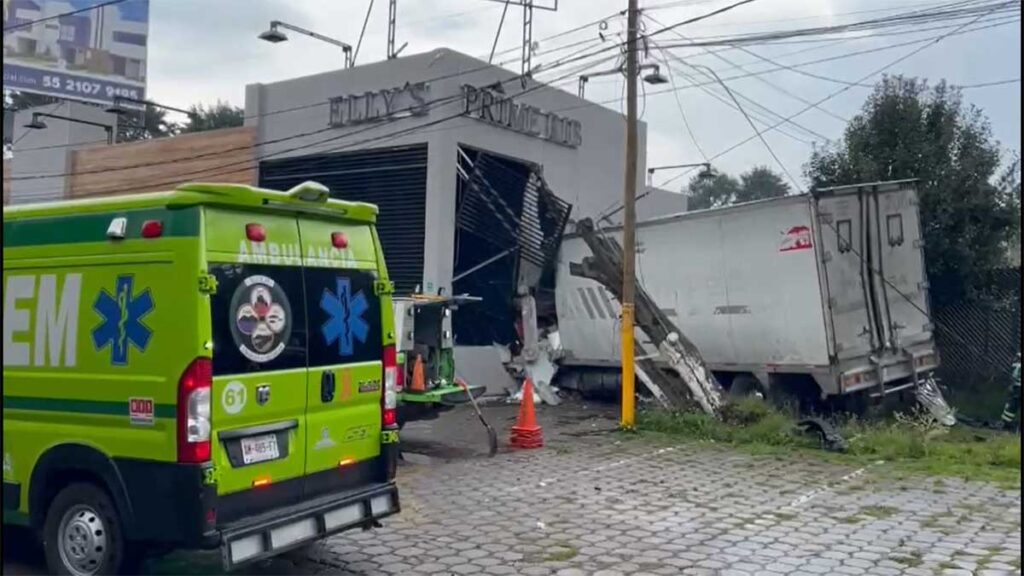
(526, 433)
(419, 381)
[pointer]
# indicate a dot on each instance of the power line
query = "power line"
(987, 84)
(762, 111)
(682, 112)
(248, 164)
(845, 88)
(400, 132)
(841, 57)
(359, 44)
(32, 23)
(759, 134)
(497, 34)
(207, 171)
(768, 82)
(903, 19)
(538, 70)
(371, 127)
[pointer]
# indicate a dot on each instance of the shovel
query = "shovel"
(492, 436)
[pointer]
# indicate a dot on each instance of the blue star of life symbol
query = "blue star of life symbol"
(122, 325)
(345, 324)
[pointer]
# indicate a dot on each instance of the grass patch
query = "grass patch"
(561, 553)
(849, 519)
(912, 559)
(911, 445)
(879, 512)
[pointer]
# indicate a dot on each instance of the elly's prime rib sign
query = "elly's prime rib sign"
(486, 105)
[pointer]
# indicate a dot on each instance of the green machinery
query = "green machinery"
(428, 384)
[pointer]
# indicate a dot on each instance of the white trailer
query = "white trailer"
(826, 288)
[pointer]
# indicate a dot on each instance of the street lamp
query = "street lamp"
(38, 124)
(655, 77)
(706, 174)
(117, 108)
(275, 36)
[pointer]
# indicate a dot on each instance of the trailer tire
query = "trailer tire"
(746, 386)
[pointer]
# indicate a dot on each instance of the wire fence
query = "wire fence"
(978, 336)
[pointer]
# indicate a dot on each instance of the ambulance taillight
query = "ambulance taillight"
(194, 424)
(389, 400)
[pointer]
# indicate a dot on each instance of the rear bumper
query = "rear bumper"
(177, 504)
(280, 530)
(889, 372)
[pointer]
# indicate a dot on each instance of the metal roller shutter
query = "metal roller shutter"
(395, 179)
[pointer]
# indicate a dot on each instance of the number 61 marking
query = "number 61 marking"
(233, 397)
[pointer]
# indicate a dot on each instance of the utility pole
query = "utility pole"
(629, 227)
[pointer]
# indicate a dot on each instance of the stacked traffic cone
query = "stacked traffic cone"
(526, 433)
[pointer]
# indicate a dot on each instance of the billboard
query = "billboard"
(75, 49)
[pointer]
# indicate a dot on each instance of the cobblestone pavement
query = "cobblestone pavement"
(594, 502)
(604, 504)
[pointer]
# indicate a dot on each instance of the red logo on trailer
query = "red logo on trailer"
(141, 411)
(797, 238)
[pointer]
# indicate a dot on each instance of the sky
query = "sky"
(207, 50)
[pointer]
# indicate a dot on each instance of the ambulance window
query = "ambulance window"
(257, 318)
(344, 317)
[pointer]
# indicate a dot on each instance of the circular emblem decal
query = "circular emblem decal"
(261, 321)
(233, 397)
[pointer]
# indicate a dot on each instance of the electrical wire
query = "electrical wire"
(776, 87)
(569, 60)
(682, 112)
(759, 134)
(31, 23)
(988, 84)
(359, 44)
(763, 110)
(809, 63)
(903, 19)
(249, 164)
(497, 34)
(53, 109)
(845, 88)
(896, 289)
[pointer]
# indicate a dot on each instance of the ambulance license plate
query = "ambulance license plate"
(260, 449)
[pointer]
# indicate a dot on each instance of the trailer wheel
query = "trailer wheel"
(746, 386)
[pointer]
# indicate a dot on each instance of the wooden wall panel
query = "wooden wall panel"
(159, 165)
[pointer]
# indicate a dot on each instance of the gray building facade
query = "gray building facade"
(462, 158)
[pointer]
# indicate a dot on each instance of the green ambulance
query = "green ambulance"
(203, 368)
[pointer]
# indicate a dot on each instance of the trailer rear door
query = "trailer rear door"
(845, 237)
(898, 259)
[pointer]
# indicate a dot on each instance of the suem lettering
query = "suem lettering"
(55, 335)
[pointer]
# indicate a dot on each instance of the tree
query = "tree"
(714, 192)
(758, 183)
(214, 117)
(146, 124)
(908, 130)
(15, 100)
